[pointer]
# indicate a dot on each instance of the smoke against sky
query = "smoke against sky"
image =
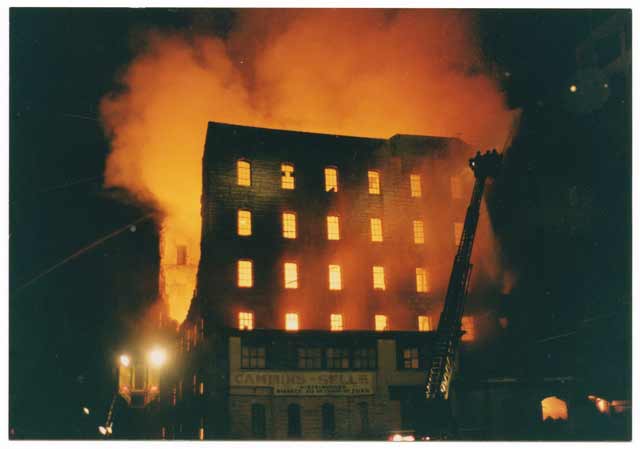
(371, 73)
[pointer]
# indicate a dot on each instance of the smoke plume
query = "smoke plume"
(371, 73)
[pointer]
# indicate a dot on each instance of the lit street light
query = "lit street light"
(158, 357)
(125, 360)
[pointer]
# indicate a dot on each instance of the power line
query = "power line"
(81, 251)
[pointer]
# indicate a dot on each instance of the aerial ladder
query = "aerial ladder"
(438, 421)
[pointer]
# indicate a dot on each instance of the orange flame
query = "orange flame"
(366, 72)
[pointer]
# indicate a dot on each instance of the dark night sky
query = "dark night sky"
(562, 210)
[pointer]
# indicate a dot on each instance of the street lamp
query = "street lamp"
(157, 357)
(125, 360)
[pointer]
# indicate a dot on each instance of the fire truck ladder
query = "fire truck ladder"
(443, 360)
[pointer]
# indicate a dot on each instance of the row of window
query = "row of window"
(290, 271)
(313, 358)
(336, 322)
(288, 180)
(290, 231)
(408, 356)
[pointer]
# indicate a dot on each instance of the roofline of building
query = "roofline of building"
(379, 139)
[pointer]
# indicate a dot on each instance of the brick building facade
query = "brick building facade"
(316, 251)
(277, 239)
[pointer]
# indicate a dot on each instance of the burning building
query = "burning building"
(314, 231)
(323, 261)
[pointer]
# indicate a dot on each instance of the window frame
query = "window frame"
(238, 177)
(239, 272)
(285, 231)
(415, 185)
(311, 359)
(243, 318)
(250, 225)
(418, 231)
(331, 272)
(422, 280)
(383, 285)
(331, 322)
(386, 322)
(286, 321)
(375, 229)
(377, 184)
(284, 179)
(335, 226)
(290, 284)
(415, 355)
(340, 354)
(253, 356)
(365, 357)
(427, 320)
(326, 179)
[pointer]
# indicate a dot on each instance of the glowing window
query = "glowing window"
(244, 222)
(554, 408)
(336, 322)
(335, 277)
(201, 388)
(245, 273)
(456, 187)
(333, 227)
(374, 182)
(410, 358)
(288, 180)
(457, 232)
(424, 323)
(244, 173)
(418, 231)
(378, 278)
(416, 186)
(468, 326)
(245, 321)
(331, 179)
(422, 280)
(290, 275)
(376, 230)
(289, 225)
(291, 322)
(382, 323)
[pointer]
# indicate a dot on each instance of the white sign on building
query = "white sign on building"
(308, 383)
